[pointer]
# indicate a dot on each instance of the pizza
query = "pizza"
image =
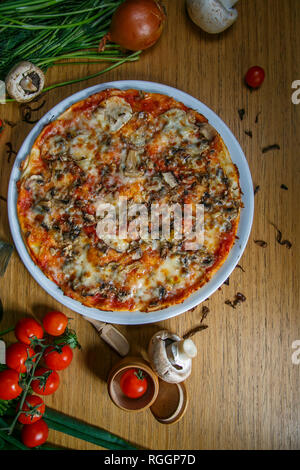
(146, 150)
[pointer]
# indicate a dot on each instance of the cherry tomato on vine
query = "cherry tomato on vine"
(255, 77)
(32, 401)
(55, 323)
(28, 328)
(58, 359)
(133, 383)
(17, 354)
(47, 384)
(9, 384)
(35, 434)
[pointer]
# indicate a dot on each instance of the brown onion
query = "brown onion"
(136, 25)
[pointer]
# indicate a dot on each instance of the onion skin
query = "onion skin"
(136, 25)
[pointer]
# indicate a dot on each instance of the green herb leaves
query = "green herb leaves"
(45, 32)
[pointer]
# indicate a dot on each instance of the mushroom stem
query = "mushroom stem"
(228, 3)
(187, 348)
(181, 351)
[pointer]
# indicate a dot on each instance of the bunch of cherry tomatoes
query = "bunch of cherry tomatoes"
(24, 373)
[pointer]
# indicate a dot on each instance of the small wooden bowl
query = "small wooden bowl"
(116, 394)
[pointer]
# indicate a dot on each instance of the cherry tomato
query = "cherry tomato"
(28, 328)
(133, 383)
(58, 359)
(45, 386)
(17, 354)
(35, 434)
(32, 401)
(9, 384)
(255, 77)
(55, 323)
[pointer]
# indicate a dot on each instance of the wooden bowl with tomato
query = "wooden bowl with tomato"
(132, 384)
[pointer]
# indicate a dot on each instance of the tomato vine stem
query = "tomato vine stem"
(26, 389)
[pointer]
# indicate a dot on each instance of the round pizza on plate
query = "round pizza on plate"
(129, 201)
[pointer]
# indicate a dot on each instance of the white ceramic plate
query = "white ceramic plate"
(135, 318)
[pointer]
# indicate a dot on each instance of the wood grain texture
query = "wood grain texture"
(244, 390)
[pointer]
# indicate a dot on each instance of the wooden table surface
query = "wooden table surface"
(244, 389)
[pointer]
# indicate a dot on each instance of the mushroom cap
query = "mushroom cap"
(213, 16)
(30, 76)
(160, 362)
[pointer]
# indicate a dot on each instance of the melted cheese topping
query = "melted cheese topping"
(148, 149)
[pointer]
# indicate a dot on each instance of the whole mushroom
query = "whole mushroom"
(213, 16)
(170, 356)
(24, 82)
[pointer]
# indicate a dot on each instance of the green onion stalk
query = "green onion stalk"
(50, 32)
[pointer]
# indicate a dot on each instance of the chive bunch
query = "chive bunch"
(46, 32)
